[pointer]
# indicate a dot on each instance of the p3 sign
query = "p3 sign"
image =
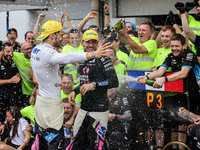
(154, 100)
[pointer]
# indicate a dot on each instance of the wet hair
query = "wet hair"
(178, 37)
(6, 44)
(150, 24)
(15, 113)
(68, 75)
(27, 33)
(93, 26)
(168, 27)
(12, 29)
(66, 100)
(33, 95)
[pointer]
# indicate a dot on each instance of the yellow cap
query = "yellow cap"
(90, 35)
(48, 28)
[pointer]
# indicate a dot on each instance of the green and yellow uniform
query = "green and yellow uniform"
(194, 25)
(72, 68)
(77, 99)
(160, 57)
(143, 61)
(24, 65)
(122, 56)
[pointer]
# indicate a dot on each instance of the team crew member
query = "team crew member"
(166, 32)
(23, 63)
(143, 49)
(96, 76)
(119, 117)
(12, 36)
(45, 62)
(10, 85)
(73, 46)
(185, 65)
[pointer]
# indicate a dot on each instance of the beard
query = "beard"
(197, 17)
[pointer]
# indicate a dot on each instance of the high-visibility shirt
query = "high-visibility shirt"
(160, 57)
(143, 61)
(122, 56)
(24, 65)
(194, 25)
(77, 99)
(72, 68)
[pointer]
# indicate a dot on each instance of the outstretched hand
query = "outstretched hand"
(101, 50)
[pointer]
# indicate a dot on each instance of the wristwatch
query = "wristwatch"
(94, 83)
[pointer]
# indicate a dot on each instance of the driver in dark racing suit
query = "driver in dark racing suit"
(96, 76)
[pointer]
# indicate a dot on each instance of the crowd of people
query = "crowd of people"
(66, 91)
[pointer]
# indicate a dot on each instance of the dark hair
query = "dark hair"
(66, 100)
(6, 44)
(27, 33)
(178, 37)
(150, 24)
(11, 29)
(15, 112)
(93, 26)
(74, 31)
(111, 37)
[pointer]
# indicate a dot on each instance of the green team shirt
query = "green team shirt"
(72, 68)
(160, 57)
(28, 112)
(24, 65)
(120, 69)
(77, 99)
(122, 56)
(194, 25)
(143, 61)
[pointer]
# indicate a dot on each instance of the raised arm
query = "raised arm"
(37, 27)
(91, 15)
(67, 20)
(107, 14)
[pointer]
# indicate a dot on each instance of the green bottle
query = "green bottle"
(118, 26)
(150, 82)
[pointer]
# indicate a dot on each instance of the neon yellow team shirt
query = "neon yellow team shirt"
(120, 69)
(72, 68)
(28, 112)
(143, 61)
(160, 57)
(24, 66)
(77, 99)
(194, 25)
(122, 56)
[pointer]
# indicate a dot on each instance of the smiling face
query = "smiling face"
(74, 39)
(90, 45)
(177, 48)
(26, 49)
(68, 109)
(67, 84)
(144, 33)
(8, 52)
(165, 38)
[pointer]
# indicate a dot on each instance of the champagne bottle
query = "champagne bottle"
(118, 26)
(150, 82)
